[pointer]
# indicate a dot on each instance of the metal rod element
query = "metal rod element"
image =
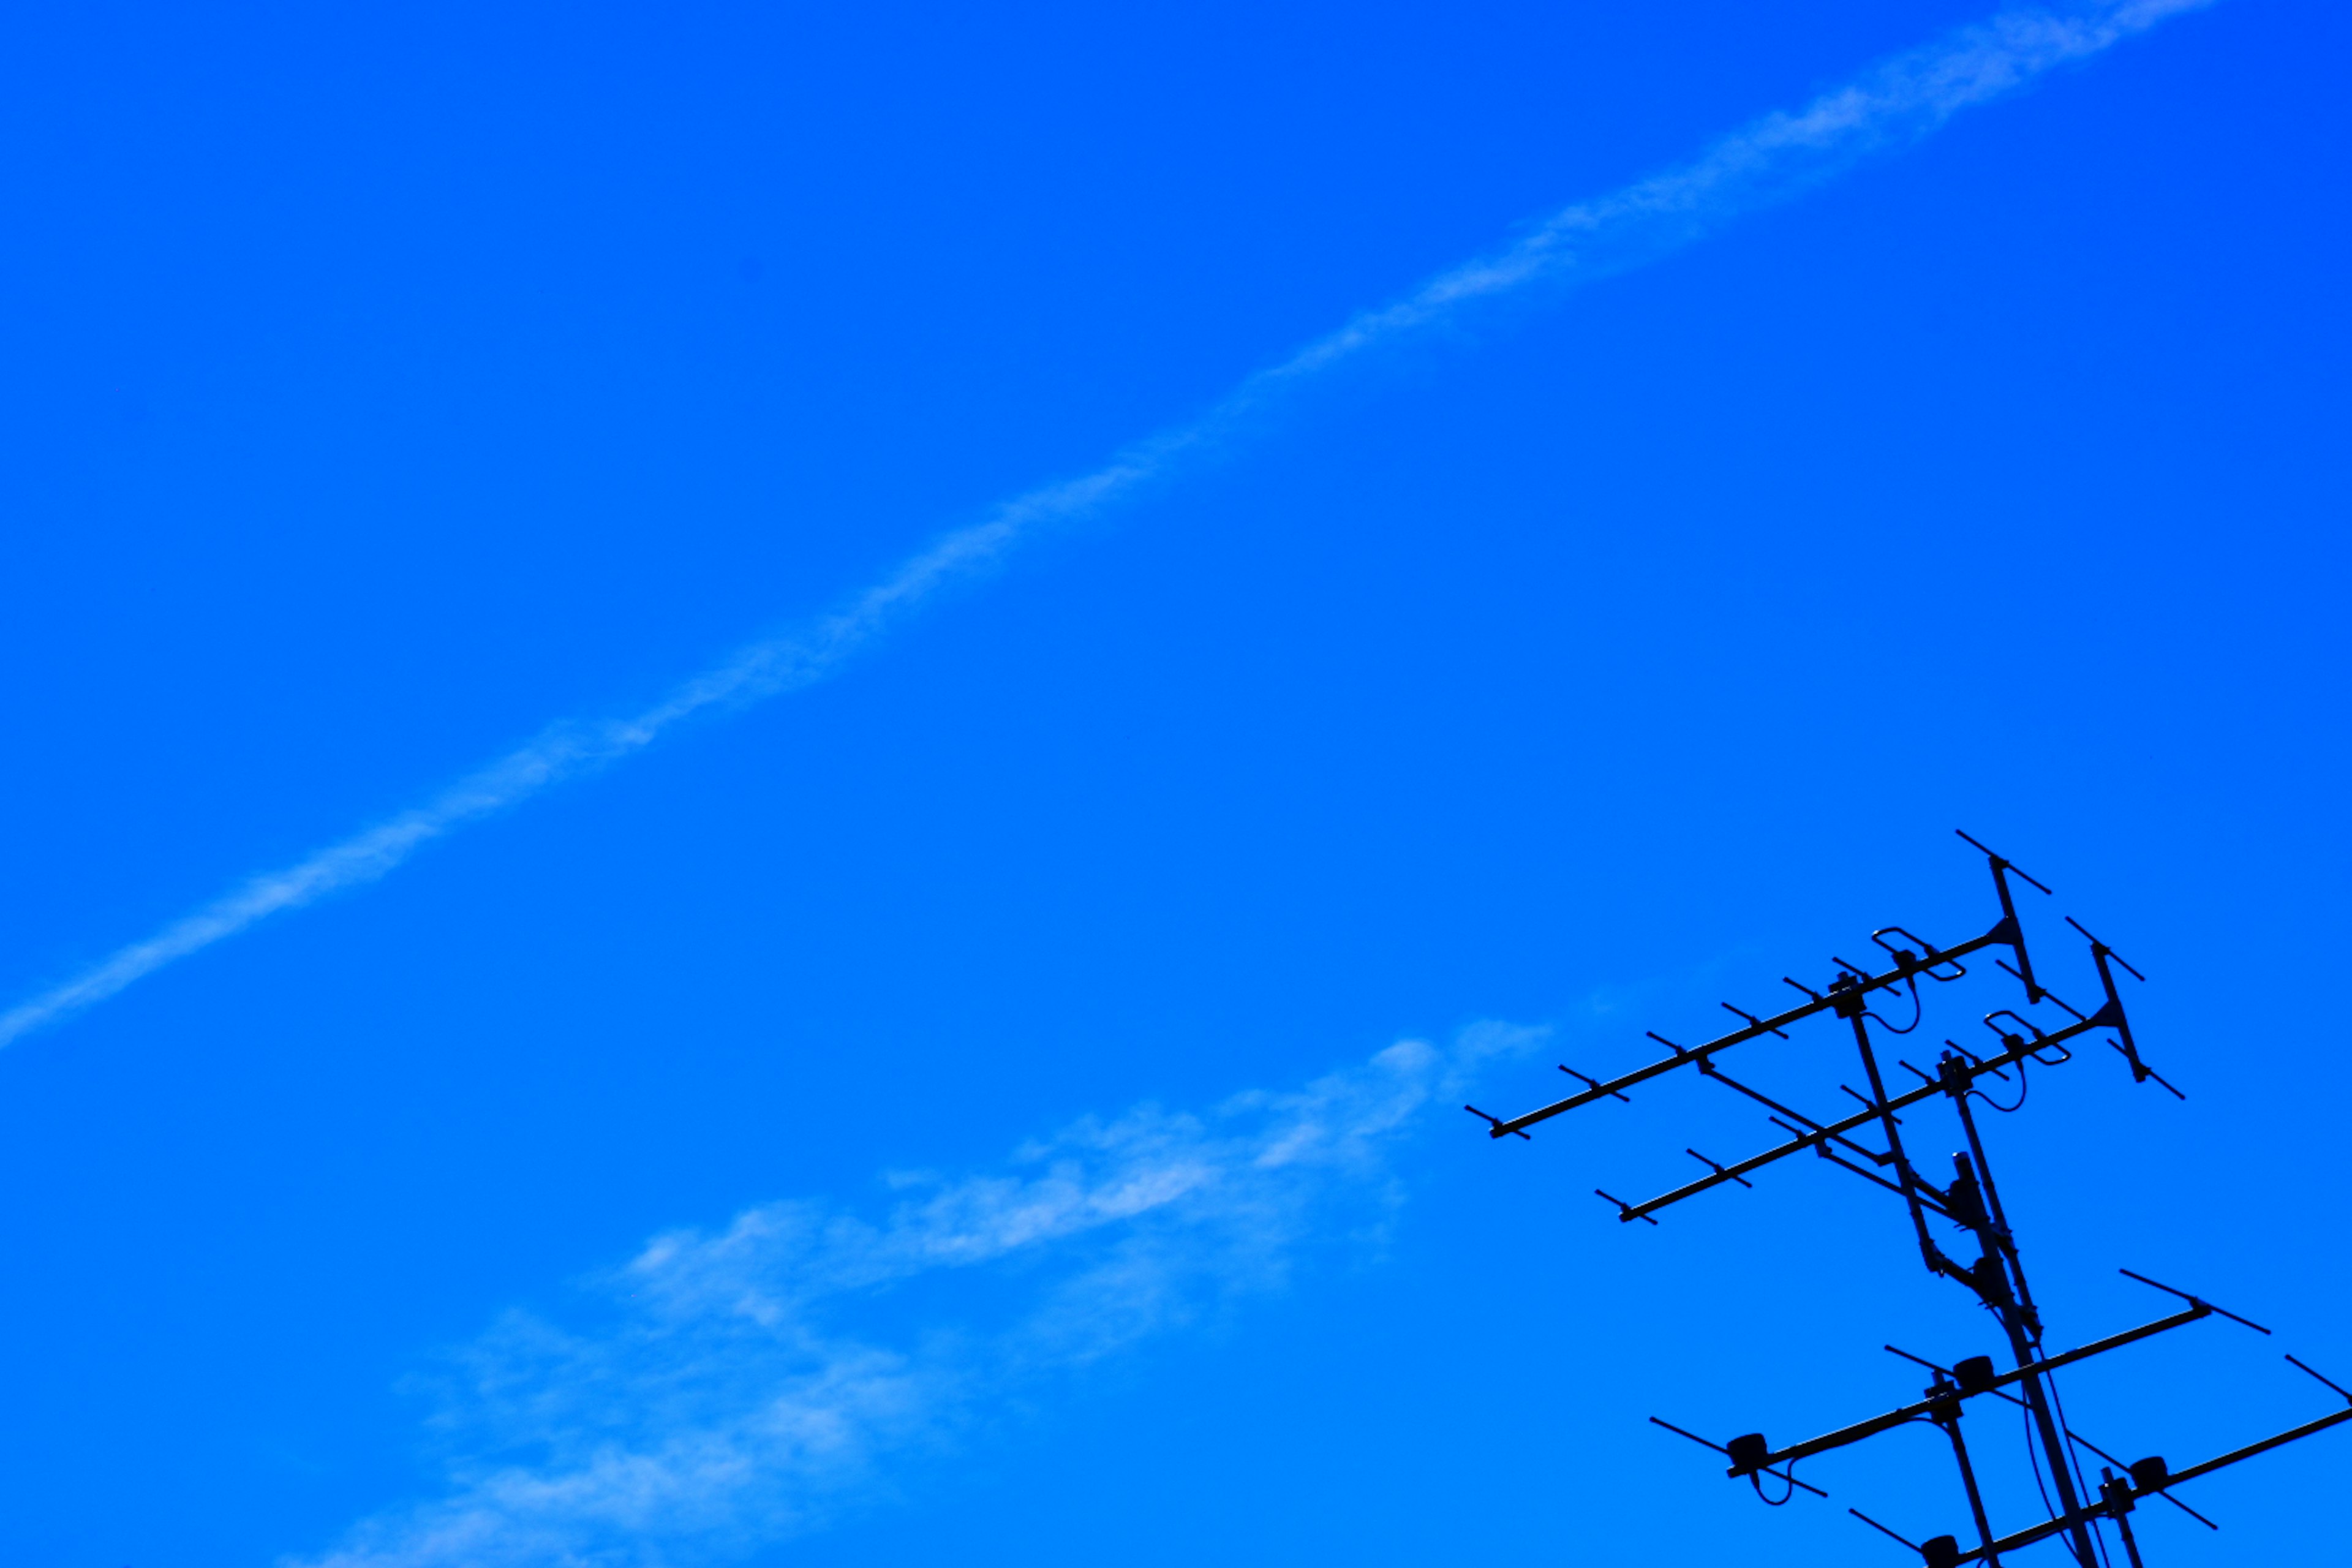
(1716, 1166)
(1581, 1078)
(2200, 1300)
(1860, 1099)
(1870, 1427)
(2047, 995)
(1680, 1432)
(2330, 1382)
(1497, 1123)
(1752, 1018)
(2102, 947)
(1882, 1529)
(2005, 865)
(1624, 1212)
(2141, 1070)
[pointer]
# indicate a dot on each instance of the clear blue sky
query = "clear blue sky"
(387, 382)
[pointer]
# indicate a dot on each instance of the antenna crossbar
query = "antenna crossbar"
(2122, 1495)
(2004, 932)
(1968, 1390)
(1835, 1132)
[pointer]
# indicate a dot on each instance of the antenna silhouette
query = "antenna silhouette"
(1869, 1143)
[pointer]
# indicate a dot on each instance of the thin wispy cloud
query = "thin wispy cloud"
(729, 1389)
(1887, 107)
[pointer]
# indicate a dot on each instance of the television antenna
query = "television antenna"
(2082, 1511)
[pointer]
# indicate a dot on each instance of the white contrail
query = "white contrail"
(1892, 104)
(717, 1404)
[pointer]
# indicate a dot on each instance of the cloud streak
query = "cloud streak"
(1771, 160)
(714, 1403)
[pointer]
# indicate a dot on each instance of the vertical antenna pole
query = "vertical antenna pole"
(2118, 1496)
(1998, 1279)
(1957, 1084)
(1949, 1418)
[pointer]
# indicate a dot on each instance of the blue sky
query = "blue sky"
(957, 1104)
